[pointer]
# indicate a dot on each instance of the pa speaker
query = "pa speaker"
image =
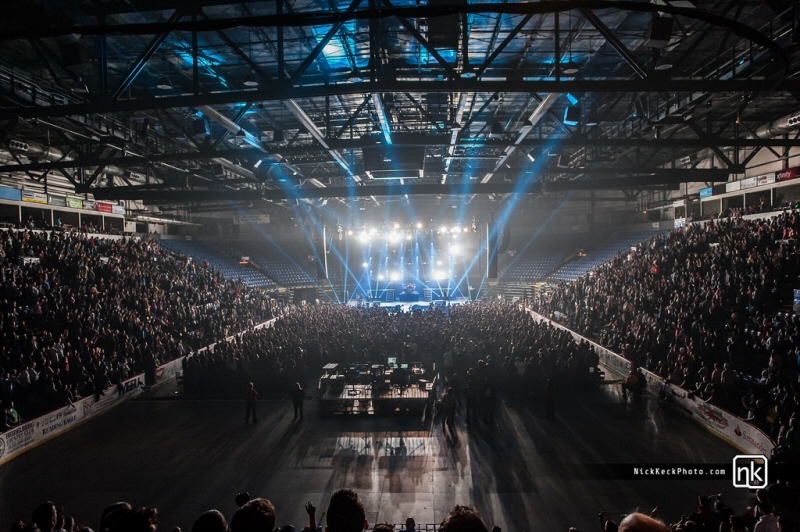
(660, 32)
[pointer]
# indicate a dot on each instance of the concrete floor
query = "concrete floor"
(185, 457)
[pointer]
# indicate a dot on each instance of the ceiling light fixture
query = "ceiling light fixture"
(164, 83)
(570, 67)
(355, 76)
(79, 87)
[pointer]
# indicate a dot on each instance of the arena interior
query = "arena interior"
(412, 265)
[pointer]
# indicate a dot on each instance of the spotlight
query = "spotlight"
(419, 225)
(572, 115)
(531, 157)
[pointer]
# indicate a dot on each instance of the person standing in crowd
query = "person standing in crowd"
(448, 406)
(298, 395)
(346, 512)
(257, 515)
(463, 519)
(250, 396)
(550, 398)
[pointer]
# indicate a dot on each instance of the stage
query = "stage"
(408, 306)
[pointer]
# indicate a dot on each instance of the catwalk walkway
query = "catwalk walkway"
(185, 457)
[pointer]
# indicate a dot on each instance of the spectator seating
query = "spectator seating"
(617, 243)
(282, 263)
(539, 259)
(228, 266)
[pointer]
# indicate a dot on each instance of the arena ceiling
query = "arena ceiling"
(190, 103)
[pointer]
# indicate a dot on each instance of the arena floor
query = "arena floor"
(185, 457)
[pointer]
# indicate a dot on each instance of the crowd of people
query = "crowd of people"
(773, 510)
(704, 307)
(477, 349)
(80, 313)
(700, 307)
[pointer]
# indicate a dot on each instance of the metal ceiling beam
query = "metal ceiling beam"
(510, 37)
(144, 57)
(383, 120)
(277, 91)
(351, 118)
(614, 41)
(537, 115)
(312, 128)
(651, 177)
(437, 140)
(421, 11)
(257, 70)
(320, 45)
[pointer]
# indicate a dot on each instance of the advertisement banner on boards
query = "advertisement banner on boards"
(57, 201)
(729, 427)
(706, 192)
(733, 186)
(118, 209)
(103, 207)
(22, 437)
(786, 175)
(766, 179)
(169, 370)
(34, 197)
(89, 205)
(13, 194)
(74, 203)
(750, 182)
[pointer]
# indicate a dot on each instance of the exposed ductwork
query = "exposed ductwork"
(36, 150)
(780, 126)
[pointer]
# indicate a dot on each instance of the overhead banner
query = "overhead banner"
(75, 203)
(34, 197)
(57, 201)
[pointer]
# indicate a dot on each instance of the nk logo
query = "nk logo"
(750, 471)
